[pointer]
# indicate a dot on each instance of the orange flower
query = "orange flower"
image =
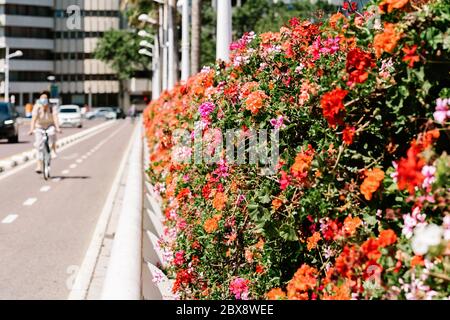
(386, 238)
(269, 37)
(350, 225)
(335, 18)
(313, 240)
(212, 224)
(276, 204)
(249, 256)
(304, 279)
(248, 88)
(372, 182)
(255, 101)
(387, 40)
(220, 200)
(417, 261)
(390, 5)
(276, 294)
(341, 292)
(302, 162)
(260, 244)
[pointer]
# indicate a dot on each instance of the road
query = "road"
(26, 141)
(46, 227)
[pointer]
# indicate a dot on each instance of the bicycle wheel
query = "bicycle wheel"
(46, 163)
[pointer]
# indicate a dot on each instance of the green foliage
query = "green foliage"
(120, 50)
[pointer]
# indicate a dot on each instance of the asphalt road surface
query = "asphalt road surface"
(26, 141)
(46, 226)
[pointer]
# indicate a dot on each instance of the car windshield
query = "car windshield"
(68, 110)
(4, 110)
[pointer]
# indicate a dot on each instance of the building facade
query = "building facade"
(58, 38)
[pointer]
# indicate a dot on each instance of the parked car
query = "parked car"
(101, 113)
(9, 126)
(70, 116)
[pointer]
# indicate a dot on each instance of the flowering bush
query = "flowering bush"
(358, 204)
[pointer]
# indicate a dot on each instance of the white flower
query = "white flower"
(426, 236)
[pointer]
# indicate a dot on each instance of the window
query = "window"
(31, 54)
(28, 10)
(28, 76)
(28, 32)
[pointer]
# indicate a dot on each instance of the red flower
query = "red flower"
(294, 22)
(358, 63)
(410, 170)
(284, 180)
(348, 134)
(410, 56)
(332, 106)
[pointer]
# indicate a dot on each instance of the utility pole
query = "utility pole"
(185, 56)
(224, 26)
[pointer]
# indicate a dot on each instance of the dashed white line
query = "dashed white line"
(56, 179)
(79, 161)
(65, 171)
(45, 188)
(73, 166)
(10, 219)
(29, 202)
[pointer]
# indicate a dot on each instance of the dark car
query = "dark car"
(9, 128)
(120, 114)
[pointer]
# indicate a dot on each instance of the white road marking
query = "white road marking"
(84, 157)
(10, 219)
(45, 188)
(65, 171)
(29, 202)
(73, 166)
(79, 161)
(56, 179)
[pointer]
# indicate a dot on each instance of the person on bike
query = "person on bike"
(44, 117)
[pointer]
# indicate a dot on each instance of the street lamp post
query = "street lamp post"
(224, 36)
(185, 56)
(172, 65)
(7, 58)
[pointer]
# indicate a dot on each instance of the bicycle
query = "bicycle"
(45, 151)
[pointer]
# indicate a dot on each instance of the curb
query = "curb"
(22, 158)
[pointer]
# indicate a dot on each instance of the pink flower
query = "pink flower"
(179, 258)
(239, 287)
(206, 109)
(442, 111)
(278, 122)
(446, 225)
(428, 172)
(411, 221)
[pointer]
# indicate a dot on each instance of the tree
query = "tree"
(120, 50)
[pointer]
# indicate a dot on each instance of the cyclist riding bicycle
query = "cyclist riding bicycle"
(44, 117)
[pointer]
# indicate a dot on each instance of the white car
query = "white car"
(70, 115)
(101, 113)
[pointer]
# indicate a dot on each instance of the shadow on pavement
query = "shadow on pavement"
(71, 177)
